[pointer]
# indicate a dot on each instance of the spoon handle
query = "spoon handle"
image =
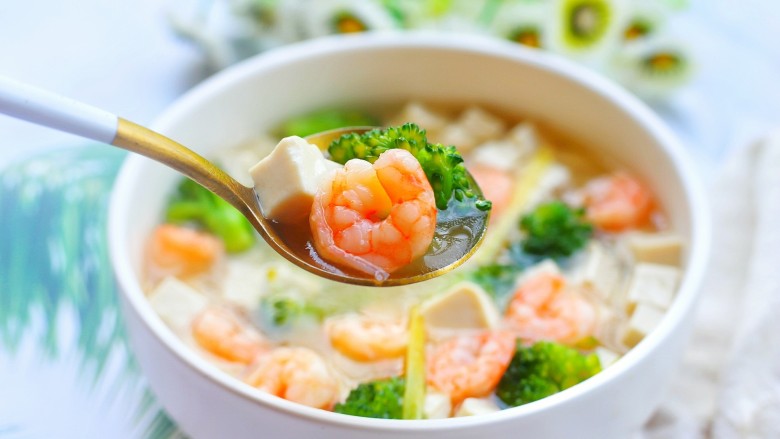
(141, 140)
(45, 108)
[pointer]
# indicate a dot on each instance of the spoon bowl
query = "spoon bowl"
(454, 240)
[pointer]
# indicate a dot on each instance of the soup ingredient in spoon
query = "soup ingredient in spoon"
(287, 179)
(374, 219)
(443, 165)
(542, 370)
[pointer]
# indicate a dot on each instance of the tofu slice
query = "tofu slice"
(456, 134)
(436, 406)
(244, 284)
(287, 179)
(601, 270)
(465, 306)
(476, 406)
(473, 127)
(524, 136)
(423, 116)
(499, 154)
(177, 303)
(663, 248)
(653, 284)
(481, 124)
(606, 356)
(644, 319)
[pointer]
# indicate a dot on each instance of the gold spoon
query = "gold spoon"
(455, 241)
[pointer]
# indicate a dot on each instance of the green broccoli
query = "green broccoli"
(497, 280)
(377, 399)
(555, 230)
(280, 311)
(442, 164)
(194, 203)
(325, 120)
(544, 369)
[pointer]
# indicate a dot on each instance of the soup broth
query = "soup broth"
(577, 266)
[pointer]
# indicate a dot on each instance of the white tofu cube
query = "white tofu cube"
(476, 406)
(237, 161)
(436, 406)
(177, 303)
(601, 270)
(645, 319)
(653, 284)
(606, 356)
(481, 124)
(524, 136)
(455, 134)
(499, 154)
(244, 283)
(287, 179)
(423, 116)
(465, 306)
(658, 248)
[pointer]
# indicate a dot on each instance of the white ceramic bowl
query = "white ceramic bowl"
(244, 100)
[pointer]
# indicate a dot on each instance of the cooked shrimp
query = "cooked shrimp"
(618, 202)
(496, 185)
(544, 309)
(222, 334)
(182, 252)
(469, 366)
(296, 374)
(367, 339)
(375, 219)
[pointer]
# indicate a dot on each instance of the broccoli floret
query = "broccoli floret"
(497, 280)
(377, 399)
(194, 203)
(442, 164)
(325, 120)
(555, 230)
(280, 311)
(544, 369)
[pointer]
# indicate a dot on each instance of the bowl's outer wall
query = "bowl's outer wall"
(244, 101)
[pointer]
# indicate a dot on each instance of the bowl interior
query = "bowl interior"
(242, 102)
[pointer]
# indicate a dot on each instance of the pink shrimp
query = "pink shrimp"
(363, 338)
(470, 366)
(618, 202)
(222, 334)
(544, 309)
(496, 185)
(375, 219)
(295, 374)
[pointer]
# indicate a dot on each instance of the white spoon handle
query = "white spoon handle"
(45, 108)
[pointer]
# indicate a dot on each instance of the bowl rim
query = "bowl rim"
(667, 142)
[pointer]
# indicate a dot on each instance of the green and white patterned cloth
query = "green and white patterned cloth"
(65, 367)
